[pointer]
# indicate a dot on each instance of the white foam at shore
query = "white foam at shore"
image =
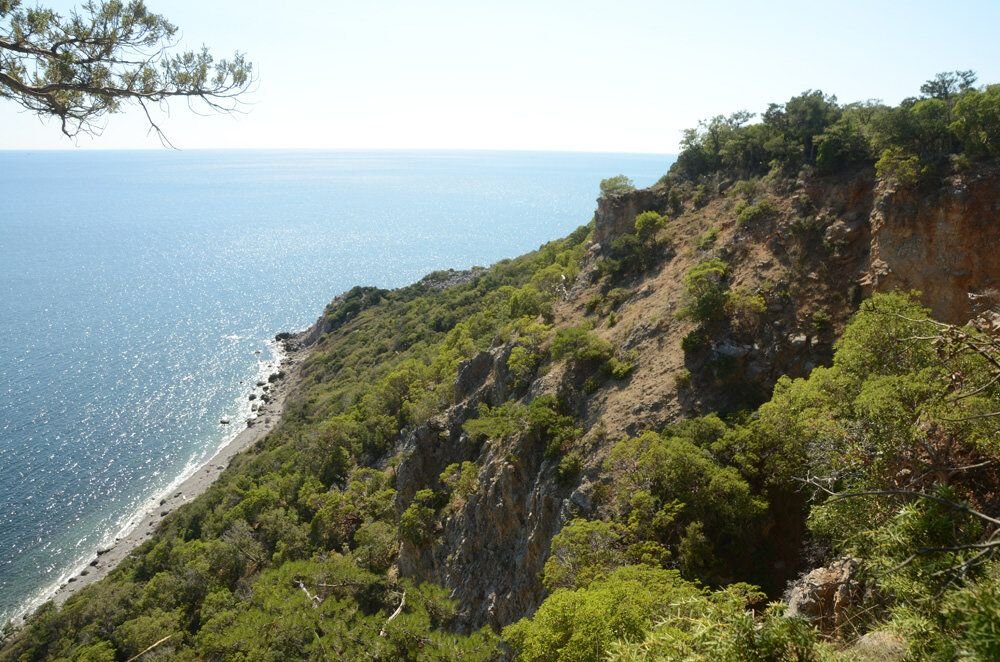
(128, 523)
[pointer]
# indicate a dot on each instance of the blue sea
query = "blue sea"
(139, 290)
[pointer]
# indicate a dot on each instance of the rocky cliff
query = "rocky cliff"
(826, 241)
(942, 242)
(448, 433)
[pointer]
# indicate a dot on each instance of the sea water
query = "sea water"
(138, 291)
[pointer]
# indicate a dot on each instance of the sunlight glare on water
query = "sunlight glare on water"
(138, 291)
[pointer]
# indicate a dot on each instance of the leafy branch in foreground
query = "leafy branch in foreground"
(102, 56)
(922, 462)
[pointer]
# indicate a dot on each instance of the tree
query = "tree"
(801, 119)
(705, 291)
(977, 121)
(948, 84)
(647, 224)
(103, 57)
(616, 185)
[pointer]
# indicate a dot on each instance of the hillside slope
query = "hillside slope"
(626, 442)
(809, 279)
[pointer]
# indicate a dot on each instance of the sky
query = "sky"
(624, 76)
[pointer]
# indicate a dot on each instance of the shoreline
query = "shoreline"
(266, 414)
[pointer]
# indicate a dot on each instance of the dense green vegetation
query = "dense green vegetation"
(951, 125)
(895, 443)
(286, 556)
(889, 455)
(645, 613)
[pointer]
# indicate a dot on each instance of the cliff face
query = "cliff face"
(943, 242)
(494, 542)
(809, 262)
(615, 214)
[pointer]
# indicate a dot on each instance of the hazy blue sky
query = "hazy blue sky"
(578, 75)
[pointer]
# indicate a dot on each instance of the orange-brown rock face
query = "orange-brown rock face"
(944, 243)
(616, 214)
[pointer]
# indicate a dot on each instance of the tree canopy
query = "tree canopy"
(103, 57)
(950, 125)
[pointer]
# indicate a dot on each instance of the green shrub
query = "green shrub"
(617, 297)
(821, 321)
(762, 210)
(691, 503)
(605, 304)
(745, 188)
(461, 481)
(976, 121)
(682, 379)
(578, 343)
(497, 423)
(627, 248)
(637, 250)
(708, 238)
(418, 522)
(648, 224)
(541, 417)
(522, 364)
(558, 430)
(806, 227)
(696, 341)
(704, 297)
(616, 185)
(620, 369)
(675, 202)
(583, 624)
(591, 353)
(529, 301)
(570, 466)
(584, 550)
(700, 196)
(744, 309)
(911, 140)
(842, 144)
(377, 546)
(644, 613)
(610, 268)
(901, 167)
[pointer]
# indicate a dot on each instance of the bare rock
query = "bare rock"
(942, 243)
(825, 595)
(798, 340)
(485, 377)
(472, 374)
(616, 214)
